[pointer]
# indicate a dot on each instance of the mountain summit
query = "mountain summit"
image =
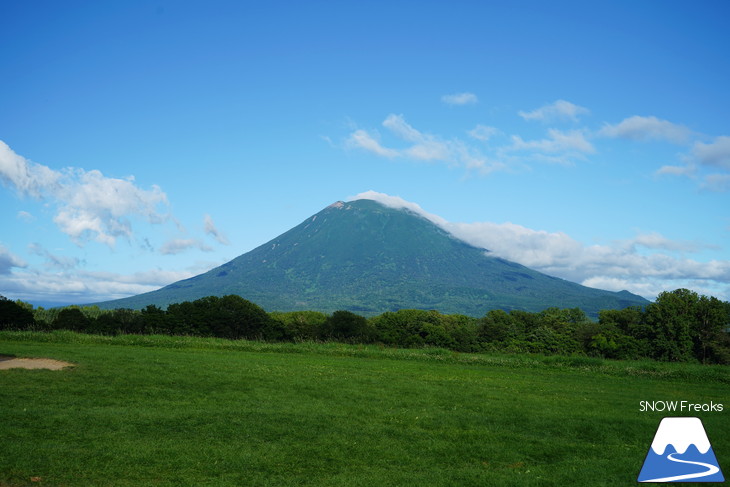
(368, 258)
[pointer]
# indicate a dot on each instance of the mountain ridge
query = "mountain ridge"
(369, 258)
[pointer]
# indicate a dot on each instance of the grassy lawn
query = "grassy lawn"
(165, 411)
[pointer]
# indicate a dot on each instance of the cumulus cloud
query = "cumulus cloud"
(645, 264)
(559, 110)
(210, 229)
(92, 205)
(460, 99)
(89, 205)
(646, 129)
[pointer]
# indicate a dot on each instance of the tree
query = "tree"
(346, 325)
(115, 321)
(302, 325)
(496, 326)
(14, 315)
(711, 319)
(404, 327)
(671, 319)
(152, 319)
(629, 320)
(463, 331)
(71, 318)
(228, 317)
(184, 319)
(236, 317)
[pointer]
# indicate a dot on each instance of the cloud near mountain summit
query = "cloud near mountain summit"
(646, 264)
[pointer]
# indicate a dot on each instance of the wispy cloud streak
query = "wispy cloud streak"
(460, 99)
(560, 110)
(647, 128)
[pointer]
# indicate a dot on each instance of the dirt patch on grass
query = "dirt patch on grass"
(8, 362)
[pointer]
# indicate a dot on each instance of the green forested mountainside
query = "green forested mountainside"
(367, 258)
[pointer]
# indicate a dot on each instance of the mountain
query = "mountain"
(368, 258)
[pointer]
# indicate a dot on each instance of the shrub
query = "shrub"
(302, 325)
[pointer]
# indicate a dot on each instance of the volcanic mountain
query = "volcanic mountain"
(368, 258)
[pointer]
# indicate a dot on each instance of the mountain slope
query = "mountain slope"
(368, 258)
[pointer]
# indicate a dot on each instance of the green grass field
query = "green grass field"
(164, 411)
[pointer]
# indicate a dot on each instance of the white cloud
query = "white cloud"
(8, 261)
(82, 287)
(460, 99)
(718, 183)
(716, 153)
(560, 147)
(25, 216)
(95, 206)
(557, 141)
(654, 240)
(564, 147)
(473, 160)
(424, 147)
(556, 111)
(686, 170)
(533, 248)
(89, 205)
(647, 128)
(28, 178)
(483, 132)
(53, 261)
(401, 128)
(643, 264)
(362, 139)
(210, 229)
(179, 245)
(705, 157)
(398, 203)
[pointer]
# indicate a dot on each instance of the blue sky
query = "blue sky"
(146, 142)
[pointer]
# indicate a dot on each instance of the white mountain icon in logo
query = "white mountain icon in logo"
(681, 452)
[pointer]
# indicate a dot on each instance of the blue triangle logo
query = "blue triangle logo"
(681, 452)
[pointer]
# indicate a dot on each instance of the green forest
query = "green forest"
(680, 326)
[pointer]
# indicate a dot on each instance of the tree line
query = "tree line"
(680, 326)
